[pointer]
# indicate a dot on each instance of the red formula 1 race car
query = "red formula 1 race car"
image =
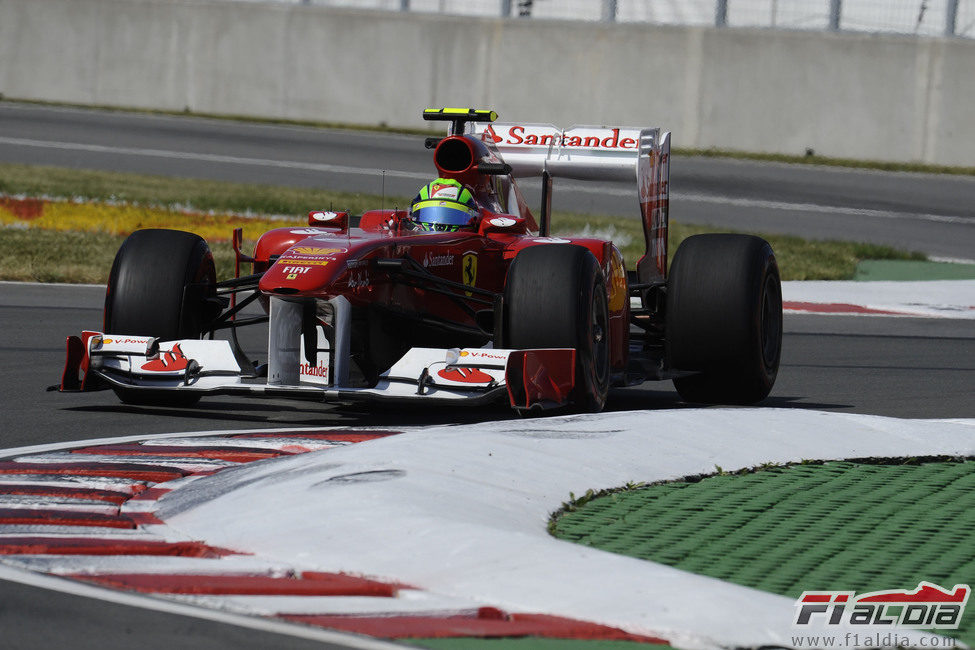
(464, 297)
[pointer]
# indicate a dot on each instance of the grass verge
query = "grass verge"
(75, 239)
(37, 255)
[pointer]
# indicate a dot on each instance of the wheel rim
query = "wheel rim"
(599, 338)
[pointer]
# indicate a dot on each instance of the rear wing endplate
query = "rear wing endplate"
(598, 154)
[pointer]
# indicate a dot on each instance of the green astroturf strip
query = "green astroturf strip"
(837, 525)
(527, 643)
(901, 270)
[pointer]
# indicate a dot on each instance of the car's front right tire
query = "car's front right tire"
(555, 297)
(159, 286)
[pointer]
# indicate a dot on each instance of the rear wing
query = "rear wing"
(593, 153)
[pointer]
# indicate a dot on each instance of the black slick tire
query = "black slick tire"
(555, 297)
(158, 286)
(147, 288)
(724, 318)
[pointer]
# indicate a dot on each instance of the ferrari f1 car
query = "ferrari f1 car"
(500, 310)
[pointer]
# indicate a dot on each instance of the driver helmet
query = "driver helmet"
(444, 205)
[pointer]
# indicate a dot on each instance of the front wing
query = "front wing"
(530, 379)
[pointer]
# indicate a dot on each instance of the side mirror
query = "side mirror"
(503, 223)
(329, 219)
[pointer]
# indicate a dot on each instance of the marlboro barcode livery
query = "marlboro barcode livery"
(464, 297)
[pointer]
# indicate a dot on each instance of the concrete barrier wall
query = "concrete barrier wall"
(857, 96)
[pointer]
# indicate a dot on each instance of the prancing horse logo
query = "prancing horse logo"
(468, 267)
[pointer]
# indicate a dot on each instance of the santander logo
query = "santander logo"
(582, 137)
(465, 375)
(489, 133)
(168, 361)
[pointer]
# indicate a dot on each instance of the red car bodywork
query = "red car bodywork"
(373, 293)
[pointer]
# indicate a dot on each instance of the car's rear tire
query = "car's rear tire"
(724, 318)
(159, 286)
(555, 297)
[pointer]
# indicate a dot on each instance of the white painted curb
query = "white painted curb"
(461, 511)
(931, 299)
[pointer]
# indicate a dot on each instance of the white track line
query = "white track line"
(163, 565)
(40, 503)
(252, 443)
(213, 158)
(6, 454)
(406, 602)
(53, 530)
(186, 463)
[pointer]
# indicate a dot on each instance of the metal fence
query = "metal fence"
(915, 17)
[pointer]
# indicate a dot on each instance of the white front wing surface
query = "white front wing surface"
(529, 378)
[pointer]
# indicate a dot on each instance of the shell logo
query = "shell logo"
(488, 354)
(99, 341)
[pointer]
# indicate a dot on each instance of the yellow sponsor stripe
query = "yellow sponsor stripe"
(289, 261)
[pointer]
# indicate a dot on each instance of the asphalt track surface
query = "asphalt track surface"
(902, 367)
(35, 618)
(934, 214)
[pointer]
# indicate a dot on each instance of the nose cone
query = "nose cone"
(304, 269)
(291, 277)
